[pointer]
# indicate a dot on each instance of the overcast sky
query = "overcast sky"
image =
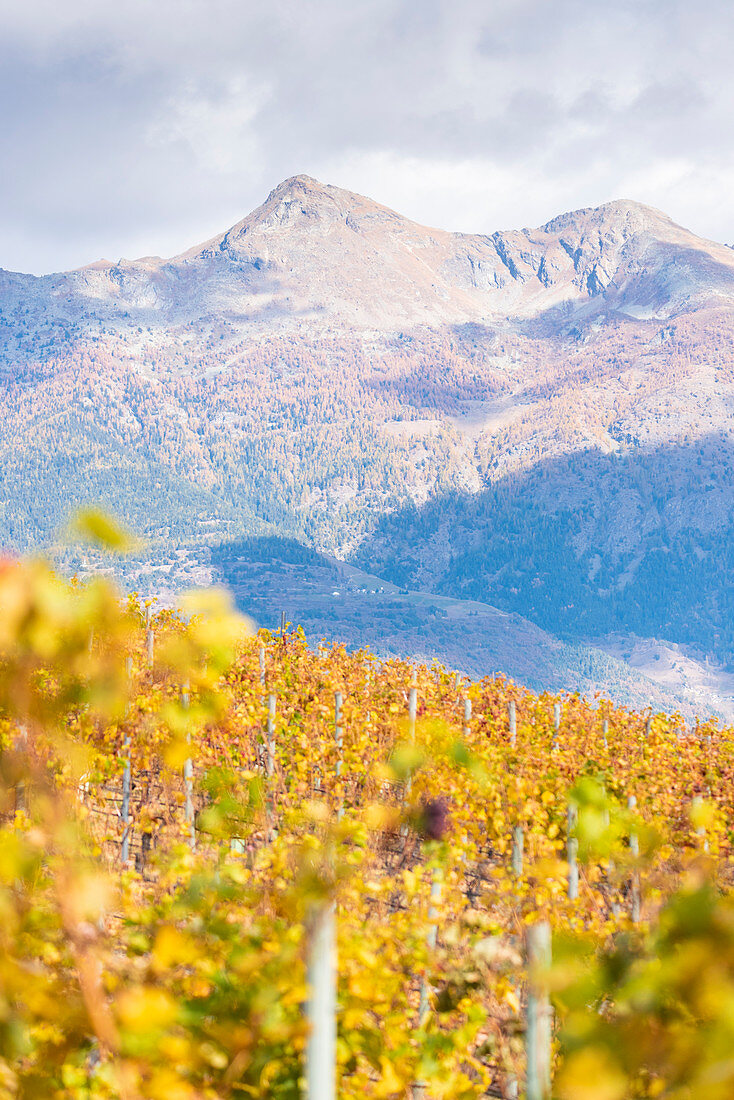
(144, 126)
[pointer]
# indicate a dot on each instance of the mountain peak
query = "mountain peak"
(301, 182)
(302, 203)
(302, 196)
(316, 250)
(623, 214)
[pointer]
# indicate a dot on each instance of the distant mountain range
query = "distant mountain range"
(538, 420)
(316, 254)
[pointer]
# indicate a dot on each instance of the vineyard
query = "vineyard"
(519, 888)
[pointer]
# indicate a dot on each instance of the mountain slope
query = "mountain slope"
(317, 254)
(585, 545)
(337, 602)
(537, 419)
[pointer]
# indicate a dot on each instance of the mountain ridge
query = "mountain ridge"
(313, 250)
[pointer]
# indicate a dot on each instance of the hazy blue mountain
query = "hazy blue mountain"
(536, 420)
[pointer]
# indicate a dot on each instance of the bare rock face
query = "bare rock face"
(318, 254)
(622, 256)
(628, 257)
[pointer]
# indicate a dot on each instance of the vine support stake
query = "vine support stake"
(270, 747)
(512, 715)
(126, 784)
(538, 1034)
(368, 686)
(700, 831)
(605, 732)
(412, 712)
(635, 851)
(272, 832)
(321, 1008)
(431, 938)
(556, 723)
(610, 862)
(518, 846)
(467, 718)
(188, 770)
(339, 738)
(634, 843)
(572, 848)
(419, 1088)
(20, 787)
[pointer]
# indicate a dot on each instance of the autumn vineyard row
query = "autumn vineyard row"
(189, 810)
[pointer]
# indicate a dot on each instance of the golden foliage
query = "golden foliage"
(182, 972)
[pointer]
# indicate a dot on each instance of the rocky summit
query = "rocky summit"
(314, 253)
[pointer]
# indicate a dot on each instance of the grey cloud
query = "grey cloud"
(135, 127)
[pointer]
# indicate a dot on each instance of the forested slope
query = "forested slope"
(539, 419)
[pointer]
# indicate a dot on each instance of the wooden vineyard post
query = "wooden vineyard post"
(260, 752)
(648, 727)
(282, 624)
(412, 713)
(237, 843)
(189, 807)
(320, 1076)
(635, 851)
(270, 766)
(367, 687)
(466, 730)
(149, 637)
(538, 1013)
(20, 787)
(605, 732)
(572, 848)
(188, 770)
(510, 1087)
(614, 906)
(512, 716)
(518, 845)
(270, 747)
(556, 723)
(339, 738)
(419, 1088)
(700, 831)
(126, 785)
(431, 939)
